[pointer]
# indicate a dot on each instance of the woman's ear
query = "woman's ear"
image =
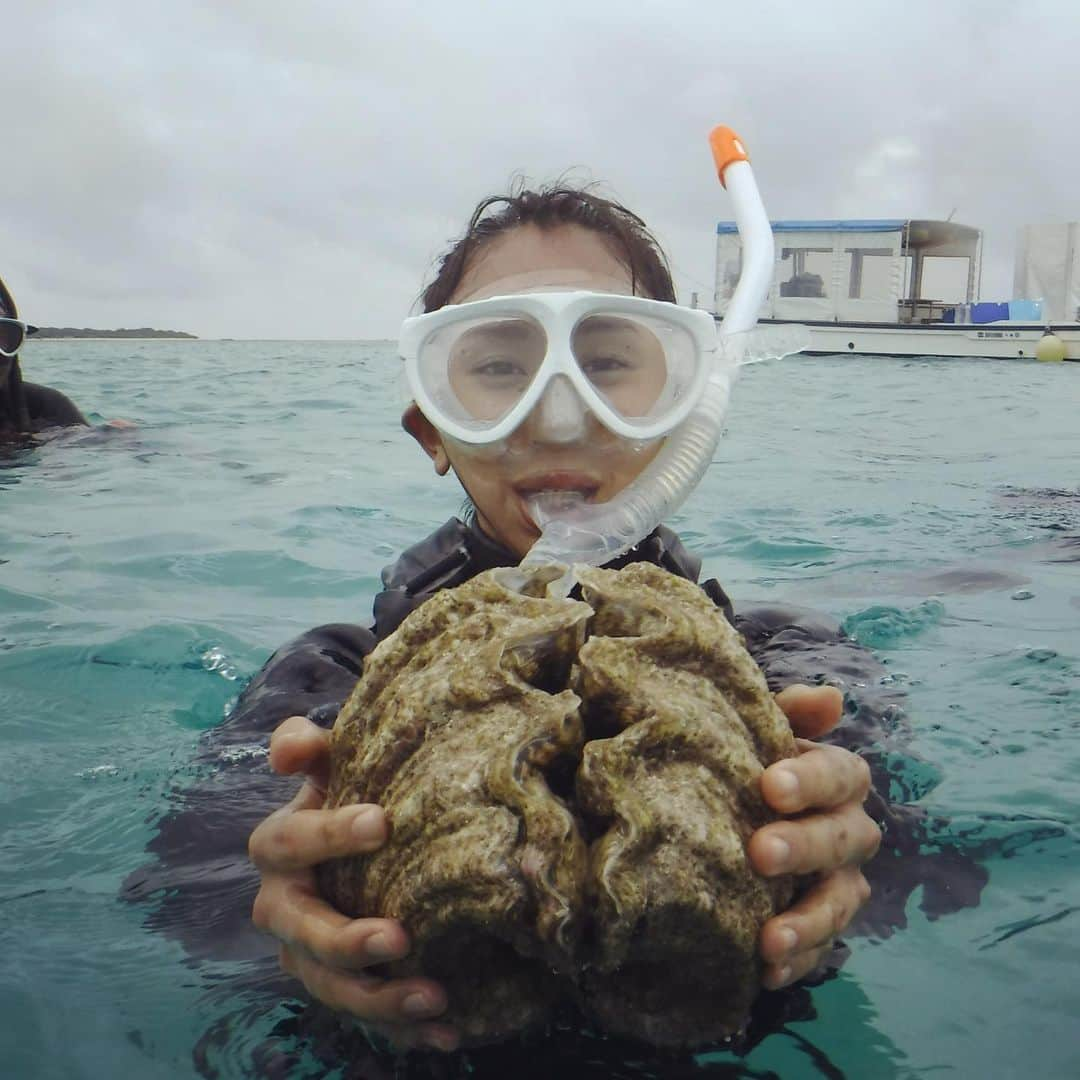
(425, 433)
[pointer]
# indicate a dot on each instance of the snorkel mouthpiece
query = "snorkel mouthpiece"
(547, 506)
(573, 531)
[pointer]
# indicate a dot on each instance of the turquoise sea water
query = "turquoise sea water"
(932, 506)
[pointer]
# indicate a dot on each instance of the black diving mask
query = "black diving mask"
(13, 332)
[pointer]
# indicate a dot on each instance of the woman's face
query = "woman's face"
(537, 456)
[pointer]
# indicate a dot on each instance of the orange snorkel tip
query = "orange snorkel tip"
(726, 148)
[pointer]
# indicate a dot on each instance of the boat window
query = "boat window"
(945, 277)
(805, 271)
(871, 273)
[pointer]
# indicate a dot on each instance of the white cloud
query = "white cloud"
(268, 169)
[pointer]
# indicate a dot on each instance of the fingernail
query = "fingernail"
(779, 852)
(788, 939)
(417, 1005)
(378, 947)
(363, 822)
(785, 782)
(782, 977)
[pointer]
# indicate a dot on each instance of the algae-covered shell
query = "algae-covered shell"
(570, 787)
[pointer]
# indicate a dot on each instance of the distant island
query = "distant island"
(85, 332)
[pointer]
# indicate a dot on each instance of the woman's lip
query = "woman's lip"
(557, 481)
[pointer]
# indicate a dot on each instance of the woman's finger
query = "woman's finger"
(793, 942)
(388, 1001)
(820, 778)
(301, 836)
(433, 1036)
(299, 746)
(811, 710)
(773, 977)
(819, 843)
(295, 915)
(429, 1036)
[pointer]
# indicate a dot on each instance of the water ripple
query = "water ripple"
(1024, 925)
(881, 627)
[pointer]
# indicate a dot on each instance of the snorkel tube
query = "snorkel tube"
(597, 533)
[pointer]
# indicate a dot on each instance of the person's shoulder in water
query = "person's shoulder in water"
(29, 410)
(49, 408)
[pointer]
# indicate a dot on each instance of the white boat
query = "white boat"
(870, 287)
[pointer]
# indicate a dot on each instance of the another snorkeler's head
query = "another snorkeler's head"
(549, 244)
(14, 416)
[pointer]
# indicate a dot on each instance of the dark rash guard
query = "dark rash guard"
(203, 885)
(50, 408)
(27, 409)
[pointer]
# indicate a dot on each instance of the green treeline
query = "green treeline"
(85, 332)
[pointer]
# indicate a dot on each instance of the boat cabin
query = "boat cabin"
(885, 271)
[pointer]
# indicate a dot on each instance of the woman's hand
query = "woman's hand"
(328, 952)
(831, 837)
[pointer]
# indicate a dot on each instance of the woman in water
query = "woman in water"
(26, 408)
(543, 245)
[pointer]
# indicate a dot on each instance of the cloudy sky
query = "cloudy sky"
(257, 168)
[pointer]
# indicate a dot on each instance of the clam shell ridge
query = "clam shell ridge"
(458, 719)
(680, 724)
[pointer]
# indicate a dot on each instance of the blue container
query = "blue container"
(989, 312)
(1025, 310)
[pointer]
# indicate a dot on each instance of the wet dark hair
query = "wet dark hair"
(623, 231)
(7, 302)
(14, 415)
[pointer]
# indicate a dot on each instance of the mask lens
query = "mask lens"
(479, 370)
(642, 366)
(11, 336)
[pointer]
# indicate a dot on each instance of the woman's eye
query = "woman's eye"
(604, 366)
(497, 367)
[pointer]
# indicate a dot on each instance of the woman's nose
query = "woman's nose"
(560, 416)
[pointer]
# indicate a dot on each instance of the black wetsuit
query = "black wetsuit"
(50, 408)
(26, 409)
(203, 883)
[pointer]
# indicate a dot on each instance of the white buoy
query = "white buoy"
(1050, 348)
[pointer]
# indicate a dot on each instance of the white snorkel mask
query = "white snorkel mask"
(644, 369)
(477, 370)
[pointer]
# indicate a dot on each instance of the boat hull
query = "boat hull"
(987, 340)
